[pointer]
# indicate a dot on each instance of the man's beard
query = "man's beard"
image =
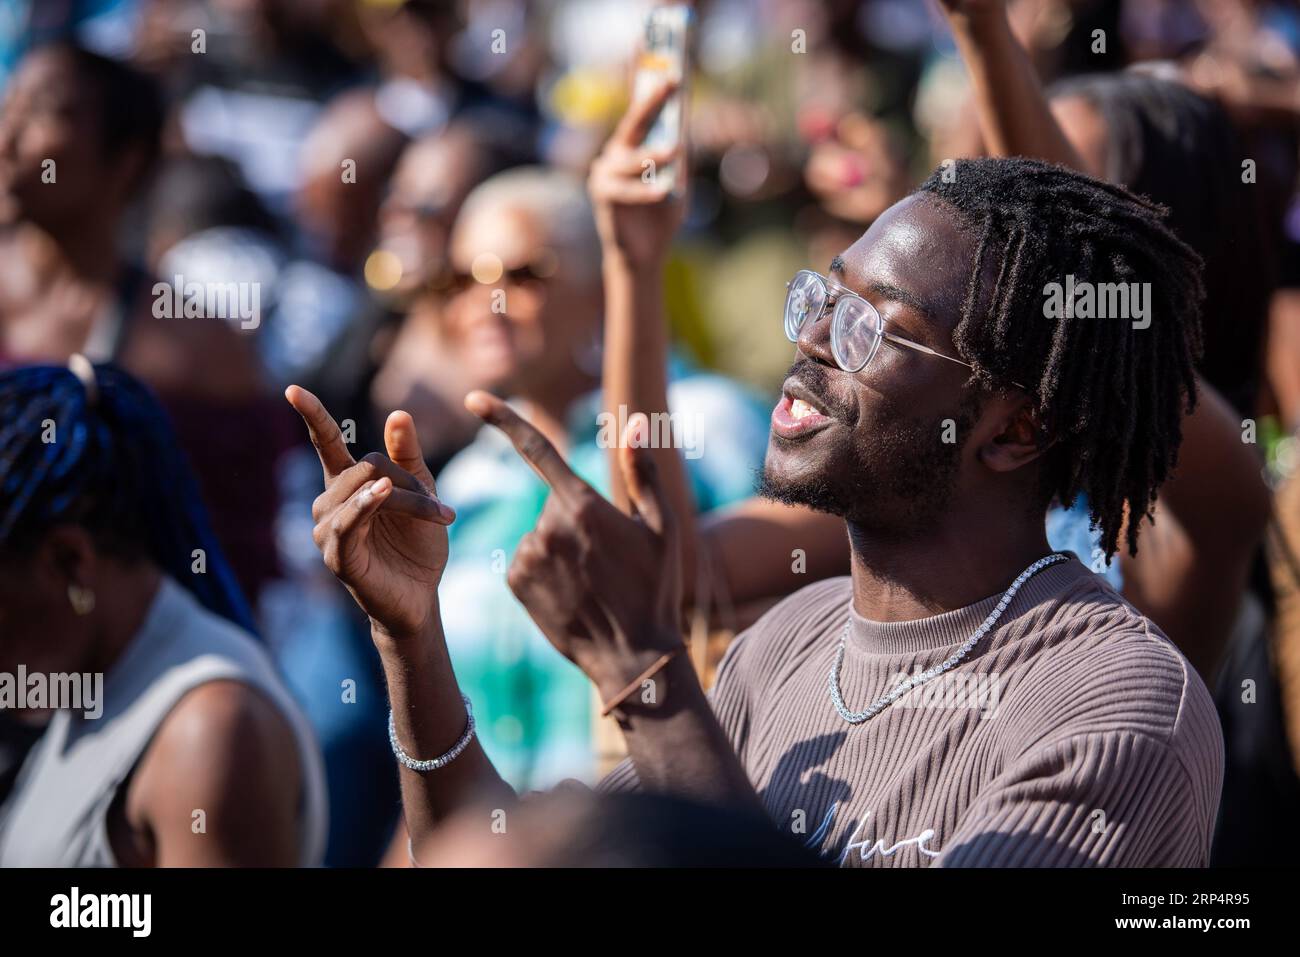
(901, 478)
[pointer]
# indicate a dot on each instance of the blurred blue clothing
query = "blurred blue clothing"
(321, 643)
(330, 666)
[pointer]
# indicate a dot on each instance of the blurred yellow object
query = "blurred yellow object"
(589, 98)
(656, 62)
(383, 270)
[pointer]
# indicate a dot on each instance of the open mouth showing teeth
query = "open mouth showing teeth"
(799, 409)
(795, 418)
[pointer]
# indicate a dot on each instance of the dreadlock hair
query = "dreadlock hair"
(105, 458)
(1110, 398)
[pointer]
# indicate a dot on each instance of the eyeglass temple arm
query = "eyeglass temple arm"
(899, 340)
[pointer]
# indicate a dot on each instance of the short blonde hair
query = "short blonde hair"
(558, 200)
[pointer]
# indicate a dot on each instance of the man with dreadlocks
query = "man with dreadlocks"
(965, 696)
(195, 753)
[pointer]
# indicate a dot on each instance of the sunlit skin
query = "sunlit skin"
(908, 562)
(890, 259)
(912, 265)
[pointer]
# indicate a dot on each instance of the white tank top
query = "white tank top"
(57, 813)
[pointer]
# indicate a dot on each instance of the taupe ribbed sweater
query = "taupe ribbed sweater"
(1074, 733)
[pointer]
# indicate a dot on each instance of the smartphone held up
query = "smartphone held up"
(663, 59)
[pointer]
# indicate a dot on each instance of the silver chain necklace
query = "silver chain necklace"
(883, 702)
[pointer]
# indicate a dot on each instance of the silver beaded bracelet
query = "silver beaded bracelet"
(442, 760)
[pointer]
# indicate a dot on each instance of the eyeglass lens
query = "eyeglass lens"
(855, 324)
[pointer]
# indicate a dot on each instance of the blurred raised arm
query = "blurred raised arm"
(1014, 114)
(1193, 563)
(752, 545)
(637, 217)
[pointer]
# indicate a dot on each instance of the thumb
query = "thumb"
(403, 447)
(641, 478)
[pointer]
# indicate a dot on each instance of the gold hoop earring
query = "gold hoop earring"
(81, 599)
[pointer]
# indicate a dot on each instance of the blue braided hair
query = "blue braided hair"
(106, 459)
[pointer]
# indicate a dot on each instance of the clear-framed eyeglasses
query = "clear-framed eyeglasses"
(857, 329)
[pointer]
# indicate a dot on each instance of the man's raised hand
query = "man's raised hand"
(604, 588)
(379, 525)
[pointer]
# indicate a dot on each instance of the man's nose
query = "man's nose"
(815, 337)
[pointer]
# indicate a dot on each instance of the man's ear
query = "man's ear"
(1020, 439)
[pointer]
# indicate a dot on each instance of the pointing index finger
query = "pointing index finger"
(324, 431)
(533, 447)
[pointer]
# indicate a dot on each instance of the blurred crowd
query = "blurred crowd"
(369, 174)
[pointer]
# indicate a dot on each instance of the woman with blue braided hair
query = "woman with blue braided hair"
(185, 748)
